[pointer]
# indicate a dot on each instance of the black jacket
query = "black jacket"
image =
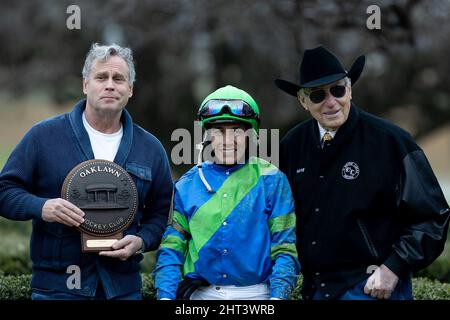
(369, 197)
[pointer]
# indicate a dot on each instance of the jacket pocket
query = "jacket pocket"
(142, 177)
(300, 178)
(55, 246)
(367, 239)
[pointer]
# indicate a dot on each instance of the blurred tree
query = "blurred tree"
(185, 49)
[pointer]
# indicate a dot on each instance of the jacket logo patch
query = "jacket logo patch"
(300, 170)
(350, 171)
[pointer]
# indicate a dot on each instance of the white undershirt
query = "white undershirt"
(103, 145)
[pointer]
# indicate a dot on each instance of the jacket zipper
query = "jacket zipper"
(367, 239)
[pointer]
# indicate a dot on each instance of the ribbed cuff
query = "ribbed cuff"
(397, 265)
(147, 240)
(36, 204)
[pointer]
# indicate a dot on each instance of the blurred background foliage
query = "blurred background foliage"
(18, 288)
(185, 49)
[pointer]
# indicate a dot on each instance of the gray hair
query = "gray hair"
(301, 92)
(103, 52)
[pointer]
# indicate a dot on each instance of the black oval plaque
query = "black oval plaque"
(105, 192)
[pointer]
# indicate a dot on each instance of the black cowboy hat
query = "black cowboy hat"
(320, 67)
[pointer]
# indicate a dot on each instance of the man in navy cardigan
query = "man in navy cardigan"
(30, 185)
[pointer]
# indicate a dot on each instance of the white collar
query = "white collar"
(322, 131)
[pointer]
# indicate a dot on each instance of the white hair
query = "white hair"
(103, 52)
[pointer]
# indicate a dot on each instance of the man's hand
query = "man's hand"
(381, 283)
(124, 248)
(62, 211)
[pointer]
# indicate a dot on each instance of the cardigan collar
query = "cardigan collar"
(76, 122)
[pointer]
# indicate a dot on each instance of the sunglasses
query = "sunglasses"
(317, 96)
(234, 107)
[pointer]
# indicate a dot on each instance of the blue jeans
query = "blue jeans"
(403, 291)
(48, 294)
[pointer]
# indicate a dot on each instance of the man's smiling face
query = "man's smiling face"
(331, 112)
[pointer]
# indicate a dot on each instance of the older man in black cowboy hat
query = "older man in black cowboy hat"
(366, 196)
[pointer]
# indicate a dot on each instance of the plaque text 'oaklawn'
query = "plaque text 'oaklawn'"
(92, 170)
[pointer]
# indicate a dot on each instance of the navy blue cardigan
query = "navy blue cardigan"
(35, 172)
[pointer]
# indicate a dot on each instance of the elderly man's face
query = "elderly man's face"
(331, 112)
(107, 88)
